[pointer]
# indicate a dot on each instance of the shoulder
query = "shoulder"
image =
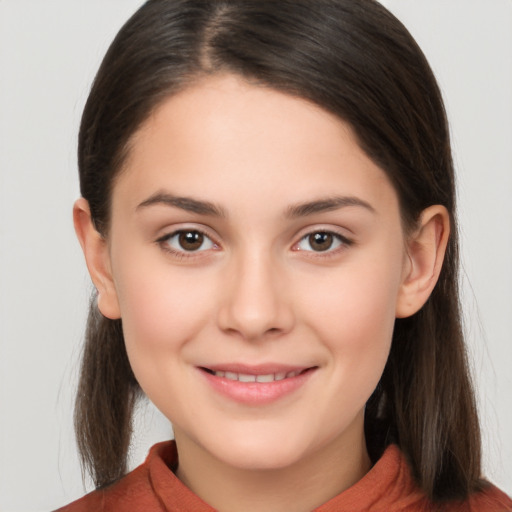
(490, 499)
(390, 486)
(152, 487)
(133, 492)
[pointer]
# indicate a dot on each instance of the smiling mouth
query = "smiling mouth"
(261, 378)
(257, 386)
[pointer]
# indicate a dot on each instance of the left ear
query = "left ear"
(426, 248)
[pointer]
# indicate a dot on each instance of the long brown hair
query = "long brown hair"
(356, 60)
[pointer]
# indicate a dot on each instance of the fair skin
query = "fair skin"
(251, 235)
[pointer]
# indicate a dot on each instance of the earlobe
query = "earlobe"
(425, 253)
(97, 258)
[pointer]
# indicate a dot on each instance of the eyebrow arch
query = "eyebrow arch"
(326, 205)
(188, 204)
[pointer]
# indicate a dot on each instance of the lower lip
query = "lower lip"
(257, 393)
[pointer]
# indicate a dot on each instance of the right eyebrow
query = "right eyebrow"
(188, 204)
(325, 205)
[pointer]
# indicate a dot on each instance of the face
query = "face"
(257, 257)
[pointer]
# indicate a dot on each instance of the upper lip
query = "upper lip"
(259, 369)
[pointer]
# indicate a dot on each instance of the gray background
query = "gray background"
(49, 52)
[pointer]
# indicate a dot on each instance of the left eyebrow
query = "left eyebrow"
(188, 204)
(326, 205)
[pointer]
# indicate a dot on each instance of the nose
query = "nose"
(255, 302)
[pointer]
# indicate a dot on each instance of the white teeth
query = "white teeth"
(244, 377)
(265, 378)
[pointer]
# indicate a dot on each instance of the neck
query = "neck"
(301, 486)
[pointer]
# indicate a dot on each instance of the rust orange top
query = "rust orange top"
(387, 487)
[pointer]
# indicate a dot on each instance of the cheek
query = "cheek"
(161, 314)
(160, 310)
(353, 313)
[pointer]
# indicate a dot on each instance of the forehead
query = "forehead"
(226, 139)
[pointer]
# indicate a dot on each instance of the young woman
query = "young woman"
(268, 218)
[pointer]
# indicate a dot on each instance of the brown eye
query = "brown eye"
(187, 241)
(191, 240)
(321, 241)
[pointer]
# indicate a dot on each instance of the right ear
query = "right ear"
(97, 258)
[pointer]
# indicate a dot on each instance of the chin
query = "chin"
(252, 457)
(262, 448)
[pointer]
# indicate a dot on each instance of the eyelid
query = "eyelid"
(337, 232)
(161, 241)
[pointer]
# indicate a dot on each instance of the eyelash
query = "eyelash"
(343, 241)
(163, 242)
